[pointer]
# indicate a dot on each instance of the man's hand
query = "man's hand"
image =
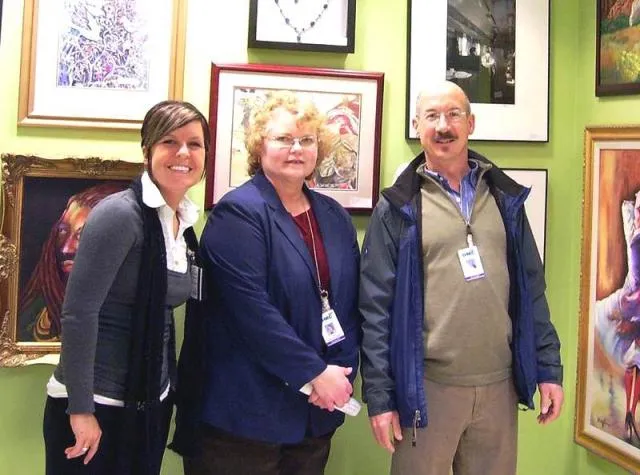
(87, 431)
(386, 428)
(551, 398)
(331, 388)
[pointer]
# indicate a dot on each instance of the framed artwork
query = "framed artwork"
(307, 25)
(617, 55)
(83, 60)
(536, 203)
(608, 383)
(497, 51)
(45, 205)
(351, 101)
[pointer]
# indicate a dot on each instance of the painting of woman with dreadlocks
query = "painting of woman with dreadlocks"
(55, 212)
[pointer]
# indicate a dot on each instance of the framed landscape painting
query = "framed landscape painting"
(617, 47)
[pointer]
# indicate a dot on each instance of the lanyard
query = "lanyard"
(323, 293)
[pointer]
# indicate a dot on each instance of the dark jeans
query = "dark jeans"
(226, 454)
(58, 436)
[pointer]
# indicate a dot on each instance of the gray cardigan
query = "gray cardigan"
(99, 303)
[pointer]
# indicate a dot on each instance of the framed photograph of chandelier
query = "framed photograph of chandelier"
(351, 102)
(497, 51)
(307, 25)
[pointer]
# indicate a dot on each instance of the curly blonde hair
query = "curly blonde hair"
(307, 113)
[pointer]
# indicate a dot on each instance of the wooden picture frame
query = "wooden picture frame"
(321, 25)
(354, 95)
(617, 57)
(608, 326)
(497, 52)
(82, 62)
(45, 203)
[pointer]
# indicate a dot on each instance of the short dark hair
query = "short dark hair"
(167, 116)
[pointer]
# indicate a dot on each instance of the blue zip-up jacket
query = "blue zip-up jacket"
(392, 293)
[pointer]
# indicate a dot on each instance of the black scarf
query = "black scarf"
(140, 426)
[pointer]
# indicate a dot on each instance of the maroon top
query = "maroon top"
(302, 222)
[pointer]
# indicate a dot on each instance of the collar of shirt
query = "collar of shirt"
(471, 177)
(151, 196)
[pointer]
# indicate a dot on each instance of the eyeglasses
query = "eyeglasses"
(451, 116)
(287, 141)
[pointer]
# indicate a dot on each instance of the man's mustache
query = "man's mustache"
(445, 136)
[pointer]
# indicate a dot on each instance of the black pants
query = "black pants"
(58, 436)
(226, 454)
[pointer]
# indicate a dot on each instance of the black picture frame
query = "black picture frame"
(0, 21)
(612, 41)
(269, 26)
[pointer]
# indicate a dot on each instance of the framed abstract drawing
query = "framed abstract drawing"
(351, 102)
(83, 60)
(496, 51)
(45, 204)
(307, 25)
(617, 55)
(608, 382)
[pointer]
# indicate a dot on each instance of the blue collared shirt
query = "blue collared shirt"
(467, 194)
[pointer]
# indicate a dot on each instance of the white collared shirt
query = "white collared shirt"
(187, 214)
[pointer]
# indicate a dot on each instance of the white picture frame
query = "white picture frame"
(527, 119)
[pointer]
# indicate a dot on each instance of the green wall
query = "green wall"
(380, 46)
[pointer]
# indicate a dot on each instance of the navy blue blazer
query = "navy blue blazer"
(264, 338)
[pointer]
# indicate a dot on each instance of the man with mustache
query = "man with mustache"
(41, 300)
(456, 323)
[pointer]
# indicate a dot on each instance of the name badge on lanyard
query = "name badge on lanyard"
(470, 261)
(332, 332)
(197, 278)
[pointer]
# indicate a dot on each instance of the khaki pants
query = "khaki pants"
(472, 430)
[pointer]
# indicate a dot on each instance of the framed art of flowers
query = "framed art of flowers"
(99, 64)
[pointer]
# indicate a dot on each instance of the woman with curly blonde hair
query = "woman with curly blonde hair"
(282, 277)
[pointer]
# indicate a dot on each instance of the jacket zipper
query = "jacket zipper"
(414, 436)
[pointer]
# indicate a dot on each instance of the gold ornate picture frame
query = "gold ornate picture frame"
(45, 204)
(82, 60)
(608, 380)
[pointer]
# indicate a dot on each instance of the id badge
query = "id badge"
(196, 282)
(471, 264)
(332, 332)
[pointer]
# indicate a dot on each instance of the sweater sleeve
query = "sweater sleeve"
(108, 236)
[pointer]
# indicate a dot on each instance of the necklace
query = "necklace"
(301, 31)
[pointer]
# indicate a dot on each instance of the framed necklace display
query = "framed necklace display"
(307, 25)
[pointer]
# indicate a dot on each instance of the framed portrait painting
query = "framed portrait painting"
(350, 101)
(45, 205)
(99, 64)
(608, 386)
(497, 51)
(617, 53)
(307, 25)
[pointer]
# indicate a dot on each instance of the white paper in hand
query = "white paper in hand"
(351, 408)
